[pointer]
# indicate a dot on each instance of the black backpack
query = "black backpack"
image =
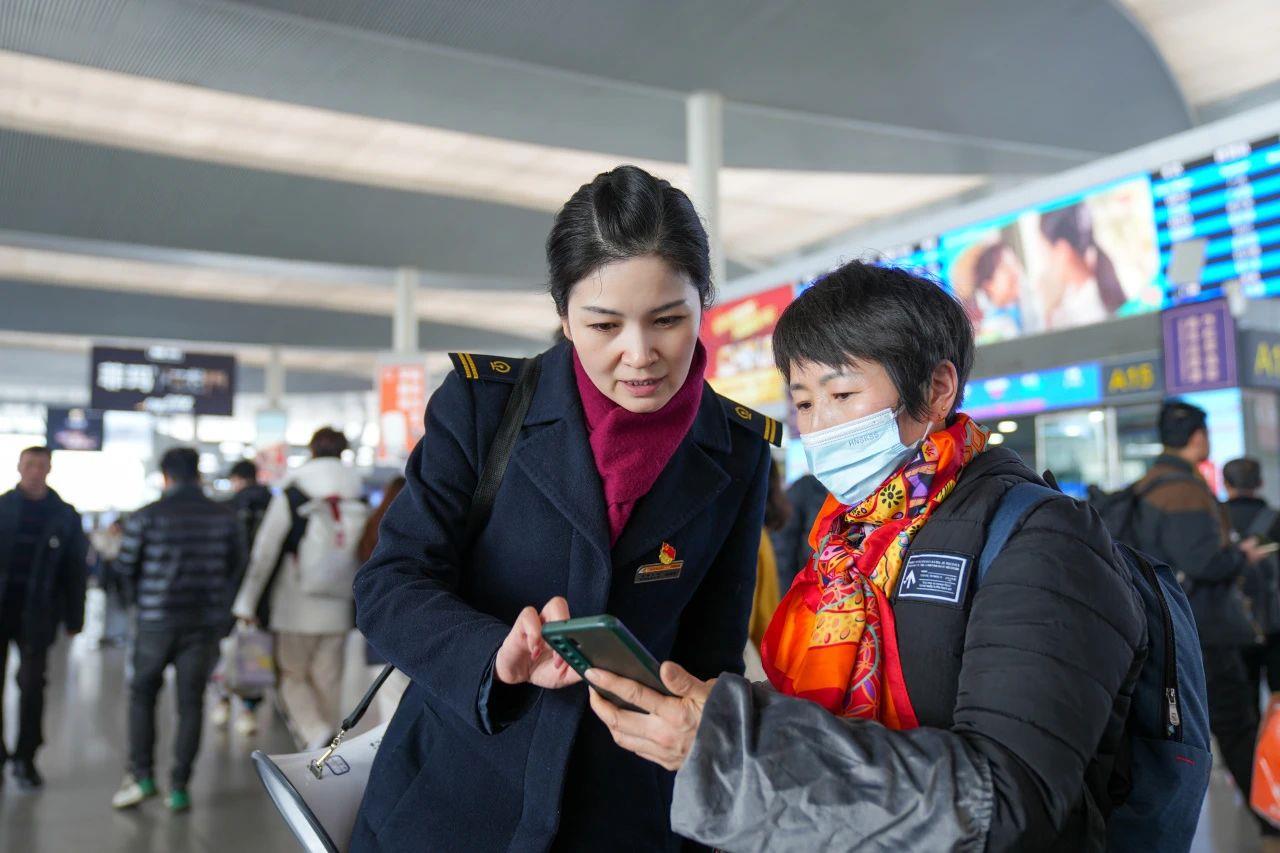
(1126, 514)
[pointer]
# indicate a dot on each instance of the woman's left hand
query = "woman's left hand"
(664, 735)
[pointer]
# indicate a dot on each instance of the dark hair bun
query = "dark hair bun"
(626, 213)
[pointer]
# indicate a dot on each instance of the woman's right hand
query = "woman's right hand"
(525, 658)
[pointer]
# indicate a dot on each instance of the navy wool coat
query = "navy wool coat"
(469, 765)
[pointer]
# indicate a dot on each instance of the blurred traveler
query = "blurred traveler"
(106, 542)
(907, 712)
(388, 697)
(249, 500)
(633, 489)
(791, 544)
(43, 570)
(299, 584)
(1184, 525)
(1258, 527)
(777, 512)
(180, 558)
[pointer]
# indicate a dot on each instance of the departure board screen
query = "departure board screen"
(1231, 199)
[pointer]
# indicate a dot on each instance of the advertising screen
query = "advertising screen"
(1073, 261)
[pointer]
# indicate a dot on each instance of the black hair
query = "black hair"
(901, 321)
(1179, 421)
(1074, 224)
(38, 450)
(626, 213)
(1243, 473)
(245, 470)
(181, 465)
(328, 442)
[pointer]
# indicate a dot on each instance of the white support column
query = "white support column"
(704, 112)
(273, 380)
(404, 323)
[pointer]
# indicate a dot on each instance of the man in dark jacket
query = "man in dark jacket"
(42, 583)
(250, 500)
(181, 558)
(1187, 528)
(1257, 525)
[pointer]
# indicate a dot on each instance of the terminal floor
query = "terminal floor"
(83, 761)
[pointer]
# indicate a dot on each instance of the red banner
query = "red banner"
(738, 336)
(402, 399)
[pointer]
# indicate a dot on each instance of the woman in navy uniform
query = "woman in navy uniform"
(633, 489)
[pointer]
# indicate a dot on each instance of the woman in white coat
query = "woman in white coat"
(295, 585)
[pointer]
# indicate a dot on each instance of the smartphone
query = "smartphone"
(603, 642)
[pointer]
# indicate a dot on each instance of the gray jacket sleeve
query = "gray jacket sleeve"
(771, 772)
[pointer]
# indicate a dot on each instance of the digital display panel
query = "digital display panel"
(1231, 199)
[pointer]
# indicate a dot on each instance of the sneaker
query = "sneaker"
(26, 775)
(246, 723)
(133, 791)
(179, 800)
(220, 715)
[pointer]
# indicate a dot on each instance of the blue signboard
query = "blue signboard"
(1027, 393)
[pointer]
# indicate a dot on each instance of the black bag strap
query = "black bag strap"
(491, 474)
(495, 466)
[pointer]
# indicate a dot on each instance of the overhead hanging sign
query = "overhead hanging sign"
(73, 429)
(402, 400)
(1029, 393)
(162, 380)
(1132, 377)
(1260, 358)
(1199, 347)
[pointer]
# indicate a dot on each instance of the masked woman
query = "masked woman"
(908, 709)
(633, 490)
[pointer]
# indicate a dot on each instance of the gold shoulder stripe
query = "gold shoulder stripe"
(470, 365)
(765, 427)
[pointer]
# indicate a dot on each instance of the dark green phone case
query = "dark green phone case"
(603, 642)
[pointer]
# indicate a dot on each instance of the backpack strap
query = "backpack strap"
(1164, 480)
(297, 524)
(1014, 507)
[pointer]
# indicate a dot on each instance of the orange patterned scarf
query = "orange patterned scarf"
(832, 639)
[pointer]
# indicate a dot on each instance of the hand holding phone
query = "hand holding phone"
(525, 658)
(603, 642)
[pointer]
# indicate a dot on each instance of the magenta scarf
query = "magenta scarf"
(631, 448)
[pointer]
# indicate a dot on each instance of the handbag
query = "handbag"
(318, 796)
(248, 662)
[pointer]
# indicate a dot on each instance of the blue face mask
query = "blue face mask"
(853, 459)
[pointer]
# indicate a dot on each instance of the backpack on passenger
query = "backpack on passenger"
(326, 547)
(1126, 512)
(1162, 771)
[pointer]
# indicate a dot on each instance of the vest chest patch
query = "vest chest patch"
(935, 576)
